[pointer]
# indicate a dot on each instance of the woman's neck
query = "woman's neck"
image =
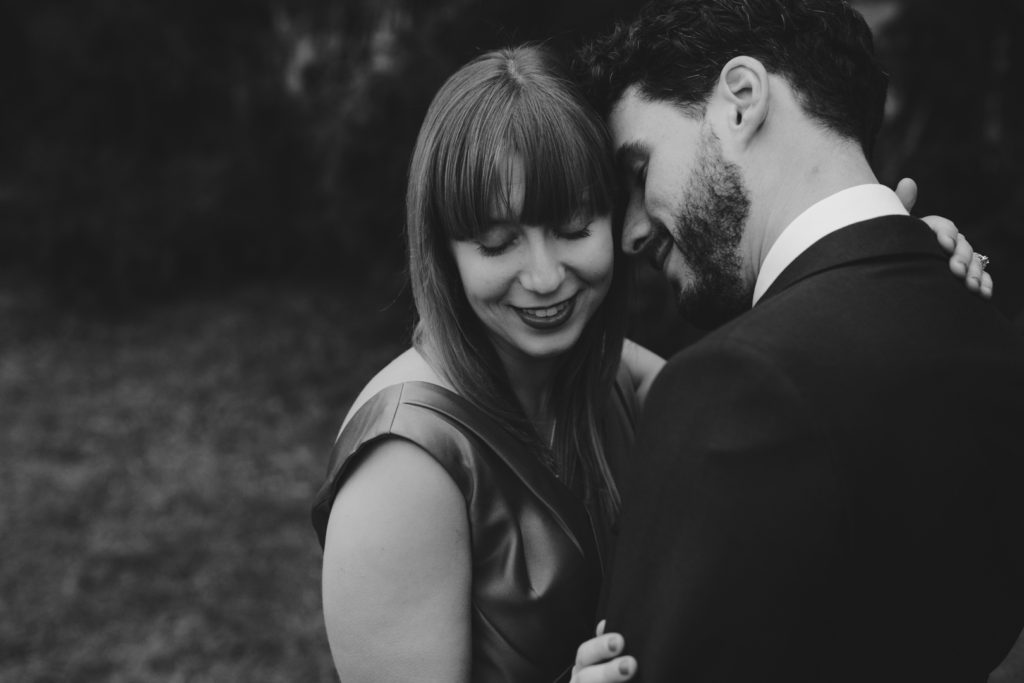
(531, 380)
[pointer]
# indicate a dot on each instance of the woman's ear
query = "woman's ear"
(742, 97)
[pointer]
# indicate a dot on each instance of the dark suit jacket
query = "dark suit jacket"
(829, 488)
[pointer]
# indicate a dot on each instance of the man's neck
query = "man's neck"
(814, 165)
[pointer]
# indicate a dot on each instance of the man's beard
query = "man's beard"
(708, 229)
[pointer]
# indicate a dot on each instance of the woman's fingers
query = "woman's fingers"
(598, 660)
(977, 279)
(947, 234)
(599, 649)
(986, 285)
(906, 190)
(974, 273)
(618, 669)
(964, 253)
(600, 627)
(962, 260)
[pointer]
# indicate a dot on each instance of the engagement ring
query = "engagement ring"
(982, 259)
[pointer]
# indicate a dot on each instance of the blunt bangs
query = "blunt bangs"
(525, 116)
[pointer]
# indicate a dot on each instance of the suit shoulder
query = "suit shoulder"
(737, 340)
(725, 363)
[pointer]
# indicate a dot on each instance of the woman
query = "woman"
(472, 487)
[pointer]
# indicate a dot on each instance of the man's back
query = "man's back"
(827, 484)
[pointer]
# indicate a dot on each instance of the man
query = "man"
(827, 485)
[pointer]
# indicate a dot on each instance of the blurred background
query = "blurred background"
(201, 263)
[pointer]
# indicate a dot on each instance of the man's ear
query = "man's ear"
(742, 96)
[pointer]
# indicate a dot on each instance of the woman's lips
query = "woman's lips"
(547, 317)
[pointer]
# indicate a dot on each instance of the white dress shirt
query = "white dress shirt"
(846, 207)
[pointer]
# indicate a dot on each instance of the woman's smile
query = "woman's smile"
(547, 317)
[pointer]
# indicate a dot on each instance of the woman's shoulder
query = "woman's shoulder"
(409, 366)
(397, 442)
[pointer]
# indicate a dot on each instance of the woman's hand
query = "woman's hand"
(597, 660)
(962, 261)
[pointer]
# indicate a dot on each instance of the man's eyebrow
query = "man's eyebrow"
(629, 153)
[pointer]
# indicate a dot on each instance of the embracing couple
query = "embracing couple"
(824, 488)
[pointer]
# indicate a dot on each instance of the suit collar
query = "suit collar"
(871, 239)
(852, 205)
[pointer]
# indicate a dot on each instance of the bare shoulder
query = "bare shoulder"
(397, 569)
(396, 487)
(410, 366)
(643, 365)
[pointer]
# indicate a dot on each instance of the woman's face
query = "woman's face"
(535, 287)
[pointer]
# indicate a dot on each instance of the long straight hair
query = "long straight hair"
(520, 104)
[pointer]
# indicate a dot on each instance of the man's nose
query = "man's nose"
(544, 271)
(637, 230)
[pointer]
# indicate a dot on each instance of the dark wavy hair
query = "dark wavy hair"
(675, 50)
(518, 103)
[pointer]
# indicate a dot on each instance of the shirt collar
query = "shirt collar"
(846, 207)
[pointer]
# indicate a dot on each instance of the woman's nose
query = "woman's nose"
(544, 271)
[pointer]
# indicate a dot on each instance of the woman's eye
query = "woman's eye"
(576, 229)
(493, 250)
(495, 241)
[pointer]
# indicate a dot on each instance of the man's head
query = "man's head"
(700, 96)
(675, 51)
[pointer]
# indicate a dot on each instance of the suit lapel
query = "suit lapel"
(876, 238)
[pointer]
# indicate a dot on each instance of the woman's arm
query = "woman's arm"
(397, 571)
(643, 365)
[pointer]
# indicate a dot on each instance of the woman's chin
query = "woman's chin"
(550, 345)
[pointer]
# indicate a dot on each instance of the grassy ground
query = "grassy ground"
(155, 476)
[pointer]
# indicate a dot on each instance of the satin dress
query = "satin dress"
(537, 556)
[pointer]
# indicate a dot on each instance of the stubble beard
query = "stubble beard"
(708, 230)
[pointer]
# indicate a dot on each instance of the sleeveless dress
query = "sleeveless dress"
(537, 561)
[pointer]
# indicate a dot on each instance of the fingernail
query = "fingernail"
(615, 644)
(626, 667)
